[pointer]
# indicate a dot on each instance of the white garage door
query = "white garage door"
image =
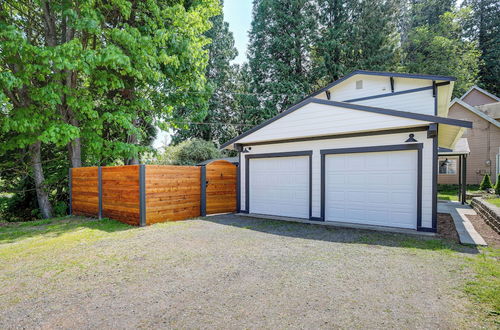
(377, 188)
(279, 186)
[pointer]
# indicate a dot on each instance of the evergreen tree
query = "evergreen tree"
(485, 183)
(485, 29)
(428, 12)
(215, 124)
(443, 49)
(355, 35)
(279, 53)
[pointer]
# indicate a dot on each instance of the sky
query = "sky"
(238, 13)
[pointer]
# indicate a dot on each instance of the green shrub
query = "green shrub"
(189, 152)
(486, 183)
(497, 185)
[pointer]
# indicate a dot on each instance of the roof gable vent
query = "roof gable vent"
(359, 84)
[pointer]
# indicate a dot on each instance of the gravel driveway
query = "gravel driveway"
(236, 272)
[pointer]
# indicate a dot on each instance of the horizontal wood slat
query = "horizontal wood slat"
(172, 193)
(221, 187)
(120, 193)
(85, 194)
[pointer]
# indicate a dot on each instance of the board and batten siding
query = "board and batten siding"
(362, 141)
(316, 119)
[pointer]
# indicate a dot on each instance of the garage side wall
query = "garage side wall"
(361, 141)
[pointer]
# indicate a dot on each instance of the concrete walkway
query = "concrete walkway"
(465, 230)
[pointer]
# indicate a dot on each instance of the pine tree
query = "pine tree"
(485, 29)
(444, 49)
(355, 35)
(279, 52)
(427, 12)
(216, 123)
(486, 183)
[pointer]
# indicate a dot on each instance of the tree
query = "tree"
(355, 35)
(485, 29)
(486, 183)
(428, 12)
(443, 49)
(188, 152)
(217, 123)
(279, 53)
(96, 76)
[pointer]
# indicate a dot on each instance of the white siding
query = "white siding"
(372, 85)
(318, 119)
(419, 102)
(367, 141)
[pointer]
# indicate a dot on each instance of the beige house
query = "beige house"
(483, 110)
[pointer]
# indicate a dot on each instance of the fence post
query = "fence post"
(70, 182)
(203, 192)
(238, 184)
(142, 195)
(99, 190)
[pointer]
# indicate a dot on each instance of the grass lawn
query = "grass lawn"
(449, 192)
(234, 272)
(494, 201)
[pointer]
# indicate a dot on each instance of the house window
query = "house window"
(359, 84)
(448, 166)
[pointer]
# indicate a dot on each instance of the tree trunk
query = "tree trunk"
(41, 190)
(132, 139)
(75, 153)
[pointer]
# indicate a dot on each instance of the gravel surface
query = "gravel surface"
(236, 272)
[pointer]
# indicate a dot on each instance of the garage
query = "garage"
(279, 184)
(374, 188)
(362, 151)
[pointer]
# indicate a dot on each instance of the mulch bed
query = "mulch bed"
(491, 237)
(446, 227)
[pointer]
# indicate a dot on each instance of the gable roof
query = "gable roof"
(390, 112)
(476, 111)
(384, 74)
(479, 89)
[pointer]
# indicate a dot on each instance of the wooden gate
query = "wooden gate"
(219, 180)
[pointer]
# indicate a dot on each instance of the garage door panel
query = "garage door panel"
(372, 188)
(356, 197)
(279, 186)
(355, 179)
(377, 197)
(402, 198)
(378, 179)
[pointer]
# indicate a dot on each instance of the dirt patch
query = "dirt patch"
(446, 227)
(491, 237)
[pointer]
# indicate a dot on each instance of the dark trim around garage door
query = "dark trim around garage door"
(395, 147)
(274, 155)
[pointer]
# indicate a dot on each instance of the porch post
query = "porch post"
(459, 178)
(464, 179)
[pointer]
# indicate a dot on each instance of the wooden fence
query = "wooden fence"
(147, 194)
